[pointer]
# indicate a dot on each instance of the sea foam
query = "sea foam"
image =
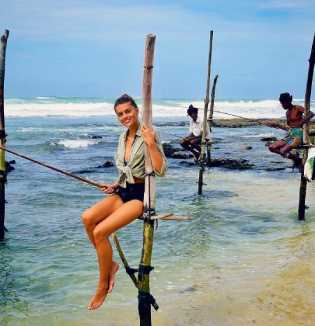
(49, 106)
(77, 143)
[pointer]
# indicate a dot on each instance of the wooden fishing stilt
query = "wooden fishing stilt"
(3, 46)
(202, 157)
(303, 182)
(210, 118)
(145, 299)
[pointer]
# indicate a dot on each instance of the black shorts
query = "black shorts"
(133, 191)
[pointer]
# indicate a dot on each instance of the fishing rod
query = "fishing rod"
(249, 119)
(90, 182)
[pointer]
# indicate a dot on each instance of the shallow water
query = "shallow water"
(243, 259)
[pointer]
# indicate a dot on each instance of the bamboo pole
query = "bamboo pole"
(69, 174)
(204, 127)
(145, 299)
(3, 46)
(210, 118)
(303, 182)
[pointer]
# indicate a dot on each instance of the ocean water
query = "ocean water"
(244, 259)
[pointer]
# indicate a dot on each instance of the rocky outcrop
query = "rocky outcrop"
(242, 123)
(224, 163)
(241, 164)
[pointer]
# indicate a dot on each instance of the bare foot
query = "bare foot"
(98, 299)
(111, 284)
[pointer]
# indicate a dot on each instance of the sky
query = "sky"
(95, 48)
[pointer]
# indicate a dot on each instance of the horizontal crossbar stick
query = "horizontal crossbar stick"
(171, 217)
(90, 182)
(249, 119)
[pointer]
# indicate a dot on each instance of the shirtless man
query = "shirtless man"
(295, 121)
(193, 140)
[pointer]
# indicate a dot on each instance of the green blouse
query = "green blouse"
(135, 167)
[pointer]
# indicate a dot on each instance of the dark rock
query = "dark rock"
(231, 164)
(246, 147)
(271, 138)
(169, 150)
(187, 163)
(275, 169)
(9, 167)
(96, 137)
(106, 164)
(243, 123)
(172, 152)
(233, 123)
(225, 163)
(181, 155)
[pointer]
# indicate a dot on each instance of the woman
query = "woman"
(125, 202)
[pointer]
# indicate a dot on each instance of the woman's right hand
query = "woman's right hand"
(109, 188)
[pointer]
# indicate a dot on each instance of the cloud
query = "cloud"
(247, 39)
(78, 20)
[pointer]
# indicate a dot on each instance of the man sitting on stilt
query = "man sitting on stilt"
(294, 138)
(193, 140)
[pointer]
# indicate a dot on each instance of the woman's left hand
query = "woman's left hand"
(148, 135)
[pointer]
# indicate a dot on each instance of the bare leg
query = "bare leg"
(98, 212)
(287, 148)
(105, 259)
(92, 216)
(122, 216)
(195, 144)
(286, 152)
(276, 146)
(112, 274)
(186, 143)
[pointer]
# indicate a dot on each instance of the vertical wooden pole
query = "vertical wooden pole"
(145, 299)
(3, 46)
(210, 118)
(303, 183)
(205, 113)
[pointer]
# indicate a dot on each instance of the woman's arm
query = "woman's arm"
(157, 158)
